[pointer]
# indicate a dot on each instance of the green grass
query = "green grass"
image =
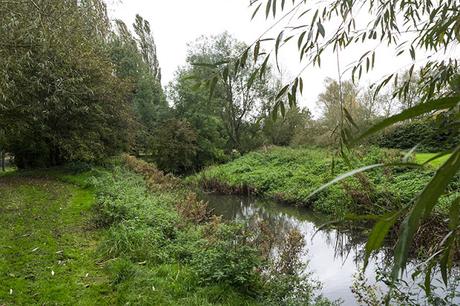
(8, 171)
(291, 175)
(109, 237)
(421, 158)
(47, 250)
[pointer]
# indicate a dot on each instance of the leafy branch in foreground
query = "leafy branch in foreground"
(425, 32)
(433, 27)
(419, 30)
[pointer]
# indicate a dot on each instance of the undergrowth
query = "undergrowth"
(163, 247)
(291, 175)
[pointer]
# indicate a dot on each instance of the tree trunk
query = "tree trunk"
(2, 160)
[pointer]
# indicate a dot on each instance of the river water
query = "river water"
(333, 256)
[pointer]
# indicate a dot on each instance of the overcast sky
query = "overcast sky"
(174, 23)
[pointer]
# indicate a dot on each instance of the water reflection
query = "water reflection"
(334, 255)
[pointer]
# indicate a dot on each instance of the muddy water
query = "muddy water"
(334, 256)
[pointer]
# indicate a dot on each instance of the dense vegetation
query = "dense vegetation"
(72, 88)
(130, 234)
(292, 175)
(78, 89)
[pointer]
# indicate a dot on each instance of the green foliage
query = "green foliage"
(59, 98)
(283, 131)
(175, 146)
(293, 174)
(431, 135)
(158, 253)
(203, 115)
(229, 259)
(335, 25)
(236, 96)
(137, 65)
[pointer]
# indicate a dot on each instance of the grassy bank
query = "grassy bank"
(163, 247)
(291, 175)
(129, 234)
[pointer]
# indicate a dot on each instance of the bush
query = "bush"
(291, 175)
(228, 259)
(175, 146)
(135, 241)
(432, 135)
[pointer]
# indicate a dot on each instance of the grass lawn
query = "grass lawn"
(47, 250)
(420, 158)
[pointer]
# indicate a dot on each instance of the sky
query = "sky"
(175, 23)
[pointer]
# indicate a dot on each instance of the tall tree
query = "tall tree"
(238, 100)
(134, 67)
(203, 114)
(59, 99)
(330, 103)
(147, 46)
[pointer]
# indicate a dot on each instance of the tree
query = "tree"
(203, 114)
(147, 46)
(175, 146)
(333, 109)
(137, 66)
(59, 98)
(240, 92)
(281, 132)
(378, 105)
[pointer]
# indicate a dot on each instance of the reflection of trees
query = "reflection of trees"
(409, 289)
(345, 241)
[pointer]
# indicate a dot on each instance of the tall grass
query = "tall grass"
(162, 247)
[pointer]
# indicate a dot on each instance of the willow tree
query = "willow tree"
(59, 98)
(136, 64)
(426, 33)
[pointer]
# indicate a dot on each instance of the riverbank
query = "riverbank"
(128, 234)
(291, 175)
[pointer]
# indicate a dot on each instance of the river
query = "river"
(333, 256)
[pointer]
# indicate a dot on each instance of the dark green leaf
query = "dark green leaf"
(267, 8)
(422, 207)
(281, 92)
(321, 29)
(255, 11)
(378, 234)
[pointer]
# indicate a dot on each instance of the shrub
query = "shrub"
(135, 241)
(175, 146)
(156, 234)
(228, 259)
(156, 179)
(193, 210)
(431, 135)
(291, 175)
(116, 198)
